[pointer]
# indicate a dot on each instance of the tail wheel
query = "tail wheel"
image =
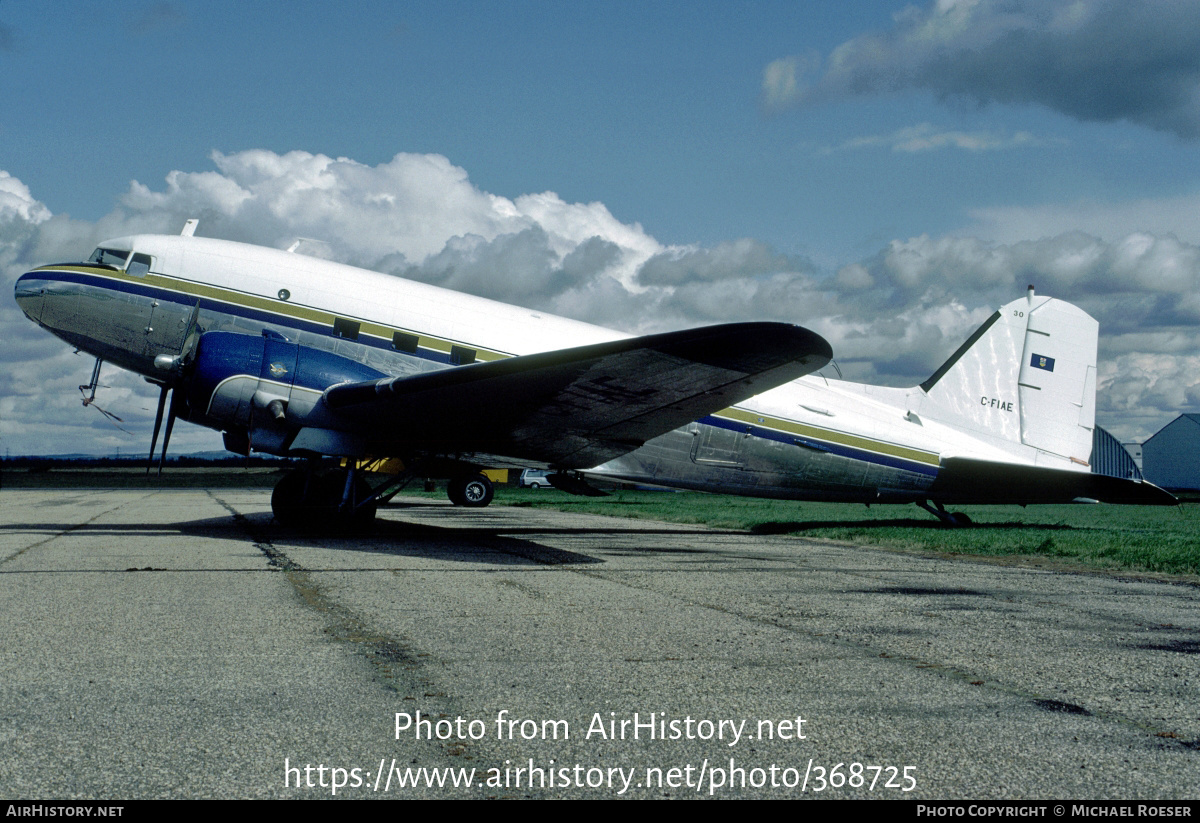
(474, 492)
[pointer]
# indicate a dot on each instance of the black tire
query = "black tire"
(287, 500)
(473, 492)
(363, 517)
(313, 501)
(454, 490)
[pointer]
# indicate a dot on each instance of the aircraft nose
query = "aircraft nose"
(30, 289)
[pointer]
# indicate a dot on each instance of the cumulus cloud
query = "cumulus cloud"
(891, 317)
(1146, 390)
(745, 258)
(17, 204)
(1109, 220)
(1093, 60)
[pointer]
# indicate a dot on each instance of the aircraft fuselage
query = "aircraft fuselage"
(813, 438)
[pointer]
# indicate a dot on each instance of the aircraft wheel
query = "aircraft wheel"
(300, 500)
(287, 500)
(478, 492)
(960, 520)
(473, 492)
(363, 517)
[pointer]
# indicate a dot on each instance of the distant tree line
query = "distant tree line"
(184, 461)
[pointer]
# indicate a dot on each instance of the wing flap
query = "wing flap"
(576, 408)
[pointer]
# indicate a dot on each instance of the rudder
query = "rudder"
(1027, 377)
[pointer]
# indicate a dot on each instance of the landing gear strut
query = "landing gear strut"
(334, 499)
(954, 519)
(476, 491)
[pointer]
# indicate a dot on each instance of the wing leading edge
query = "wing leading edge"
(576, 408)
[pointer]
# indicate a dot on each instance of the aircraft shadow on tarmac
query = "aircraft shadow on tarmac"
(388, 537)
(464, 540)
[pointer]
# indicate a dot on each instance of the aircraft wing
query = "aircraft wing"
(576, 408)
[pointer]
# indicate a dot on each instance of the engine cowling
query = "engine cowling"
(264, 389)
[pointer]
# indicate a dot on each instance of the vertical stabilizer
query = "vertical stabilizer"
(1027, 377)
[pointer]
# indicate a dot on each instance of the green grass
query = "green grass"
(1159, 539)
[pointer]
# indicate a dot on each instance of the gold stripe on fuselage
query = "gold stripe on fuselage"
(284, 309)
(830, 436)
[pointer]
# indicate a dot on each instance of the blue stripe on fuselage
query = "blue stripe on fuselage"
(823, 445)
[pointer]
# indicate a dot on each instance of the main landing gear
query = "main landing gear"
(953, 519)
(327, 499)
(473, 491)
(340, 499)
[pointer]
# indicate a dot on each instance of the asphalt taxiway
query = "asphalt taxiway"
(178, 644)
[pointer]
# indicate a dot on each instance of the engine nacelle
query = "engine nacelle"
(265, 387)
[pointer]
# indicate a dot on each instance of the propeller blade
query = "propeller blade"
(176, 399)
(158, 418)
(191, 336)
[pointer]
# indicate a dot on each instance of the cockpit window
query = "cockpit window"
(109, 257)
(139, 265)
(136, 264)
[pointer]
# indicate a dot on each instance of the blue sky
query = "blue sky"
(885, 172)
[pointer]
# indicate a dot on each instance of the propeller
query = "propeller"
(175, 365)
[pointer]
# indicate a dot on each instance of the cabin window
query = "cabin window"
(461, 355)
(139, 265)
(347, 329)
(114, 258)
(402, 341)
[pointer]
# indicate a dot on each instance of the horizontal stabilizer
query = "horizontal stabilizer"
(962, 480)
(576, 408)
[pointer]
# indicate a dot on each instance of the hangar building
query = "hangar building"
(1171, 458)
(1111, 458)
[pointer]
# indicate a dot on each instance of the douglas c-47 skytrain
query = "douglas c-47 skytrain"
(292, 355)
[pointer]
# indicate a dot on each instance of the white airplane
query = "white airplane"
(292, 355)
